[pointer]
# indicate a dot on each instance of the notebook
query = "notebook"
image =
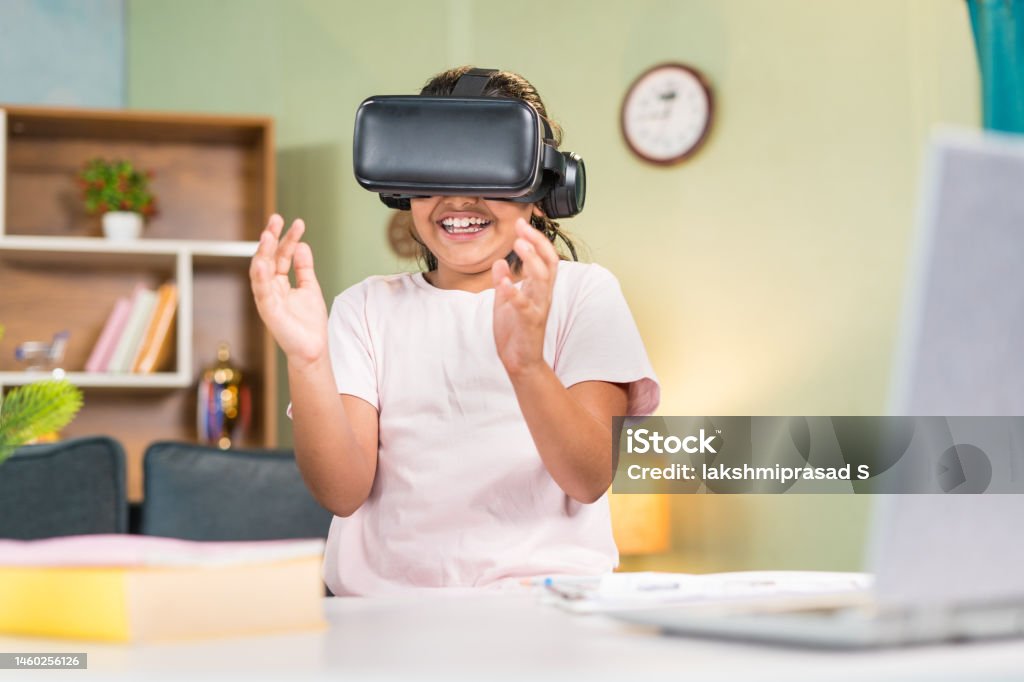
(129, 588)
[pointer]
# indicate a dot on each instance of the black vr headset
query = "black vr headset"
(464, 144)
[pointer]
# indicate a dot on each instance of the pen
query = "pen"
(548, 580)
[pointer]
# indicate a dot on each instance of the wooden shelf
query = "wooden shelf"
(97, 251)
(157, 380)
(214, 177)
(100, 245)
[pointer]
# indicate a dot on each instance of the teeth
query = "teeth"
(464, 225)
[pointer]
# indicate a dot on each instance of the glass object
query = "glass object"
(40, 355)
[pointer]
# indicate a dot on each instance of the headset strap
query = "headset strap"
(472, 83)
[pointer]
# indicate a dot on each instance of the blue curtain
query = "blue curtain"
(999, 38)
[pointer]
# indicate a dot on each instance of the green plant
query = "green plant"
(33, 410)
(116, 186)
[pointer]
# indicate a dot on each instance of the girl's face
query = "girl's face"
(467, 234)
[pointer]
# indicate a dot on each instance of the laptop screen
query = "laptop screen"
(961, 352)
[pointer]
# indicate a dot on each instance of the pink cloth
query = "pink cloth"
(461, 497)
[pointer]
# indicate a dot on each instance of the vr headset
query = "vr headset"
(464, 144)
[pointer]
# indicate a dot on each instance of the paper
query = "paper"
(620, 591)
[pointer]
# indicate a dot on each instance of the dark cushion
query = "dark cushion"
(72, 487)
(197, 492)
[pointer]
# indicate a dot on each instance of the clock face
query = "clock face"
(666, 113)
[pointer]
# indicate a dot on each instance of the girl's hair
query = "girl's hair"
(501, 84)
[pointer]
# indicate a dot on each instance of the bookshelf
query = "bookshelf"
(214, 177)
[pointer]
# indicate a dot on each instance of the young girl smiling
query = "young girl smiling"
(458, 421)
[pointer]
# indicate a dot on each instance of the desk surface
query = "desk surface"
(496, 637)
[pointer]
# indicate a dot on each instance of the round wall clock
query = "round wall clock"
(666, 113)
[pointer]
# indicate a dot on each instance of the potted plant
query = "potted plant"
(34, 410)
(120, 193)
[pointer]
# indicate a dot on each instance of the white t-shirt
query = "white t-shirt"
(461, 497)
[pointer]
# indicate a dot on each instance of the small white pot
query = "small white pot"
(122, 225)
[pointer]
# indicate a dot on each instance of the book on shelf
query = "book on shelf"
(158, 338)
(99, 358)
(142, 304)
(131, 588)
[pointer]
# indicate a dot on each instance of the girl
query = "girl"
(458, 421)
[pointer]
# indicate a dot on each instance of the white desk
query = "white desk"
(510, 637)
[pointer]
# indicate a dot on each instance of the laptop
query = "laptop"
(945, 567)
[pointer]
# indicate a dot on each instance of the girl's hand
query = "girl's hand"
(296, 317)
(521, 315)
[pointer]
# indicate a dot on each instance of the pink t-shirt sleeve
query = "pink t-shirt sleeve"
(351, 347)
(602, 343)
(351, 351)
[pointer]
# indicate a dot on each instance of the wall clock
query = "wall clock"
(666, 113)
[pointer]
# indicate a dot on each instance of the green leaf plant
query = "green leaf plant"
(116, 186)
(35, 409)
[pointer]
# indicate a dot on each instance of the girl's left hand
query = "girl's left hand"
(521, 315)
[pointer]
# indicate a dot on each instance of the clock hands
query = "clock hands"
(668, 98)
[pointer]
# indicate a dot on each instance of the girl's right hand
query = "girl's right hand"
(296, 317)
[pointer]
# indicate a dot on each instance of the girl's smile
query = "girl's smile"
(463, 225)
(466, 235)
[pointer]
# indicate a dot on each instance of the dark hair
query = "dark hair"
(501, 84)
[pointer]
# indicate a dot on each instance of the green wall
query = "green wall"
(766, 273)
